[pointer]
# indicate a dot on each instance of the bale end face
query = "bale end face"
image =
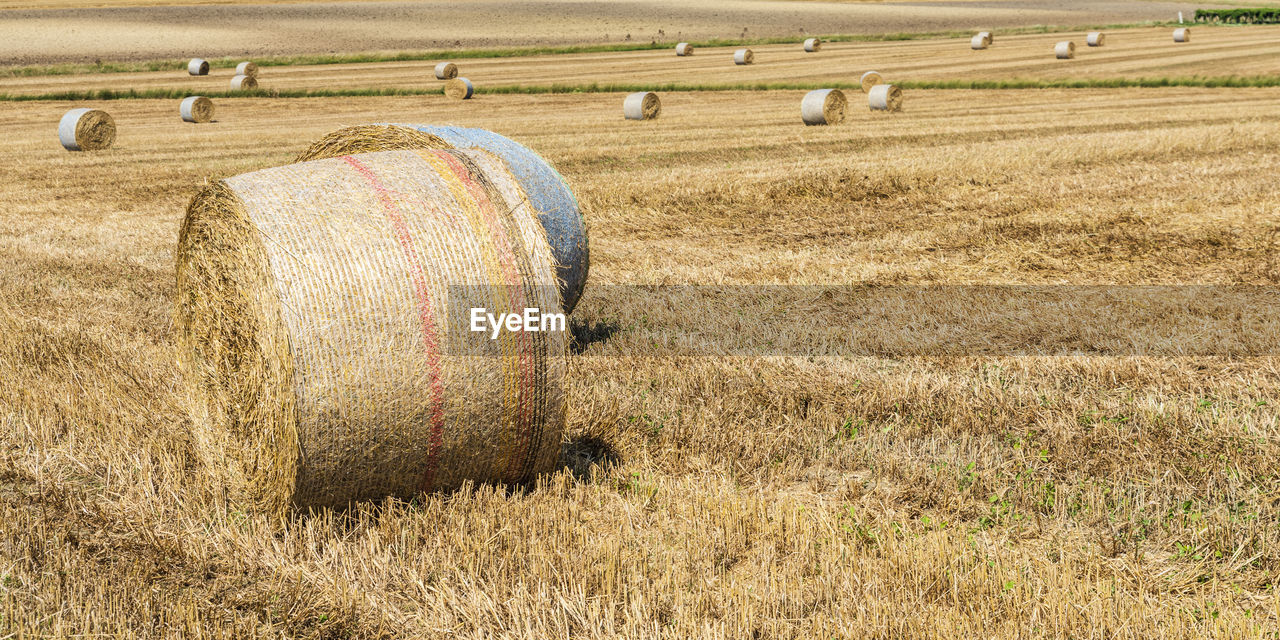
(196, 109)
(459, 89)
(642, 105)
(885, 97)
(813, 45)
(684, 49)
(86, 130)
(446, 71)
(823, 107)
(243, 83)
(744, 56)
(1065, 50)
(198, 67)
(870, 79)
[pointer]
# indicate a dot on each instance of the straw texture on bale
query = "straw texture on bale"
(885, 97)
(642, 105)
(870, 79)
(823, 106)
(446, 71)
(1182, 35)
(243, 82)
(743, 56)
(196, 109)
(459, 88)
(321, 318)
(1096, 38)
(86, 130)
(978, 42)
(684, 49)
(247, 69)
(1065, 50)
(813, 45)
(198, 67)
(558, 209)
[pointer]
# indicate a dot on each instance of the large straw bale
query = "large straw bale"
(870, 79)
(823, 106)
(641, 105)
(446, 71)
(198, 67)
(86, 130)
(813, 45)
(1182, 35)
(459, 88)
(885, 97)
(1096, 39)
(978, 42)
(744, 56)
(247, 69)
(1065, 50)
(684, 49)
(196, 109)
(243, 83)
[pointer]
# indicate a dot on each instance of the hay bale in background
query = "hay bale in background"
(986, 35)
(885, 97)
(1065, 50)
(978, 42)
(243, 83)
(823, 106)
(684, 49)
(743, 56)
(198, 67)
(307, 392)
(247, 69)
(1182, 35)
(446, 71)
(1096, 38)
(86, 130)
(813, 45)
(459, 88)
(869, 79)
(196, 109)
(561, 217)
(642, 105)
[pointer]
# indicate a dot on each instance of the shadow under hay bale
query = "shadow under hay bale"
(583, 455)
(586, 334)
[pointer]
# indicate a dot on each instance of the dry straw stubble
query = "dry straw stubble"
(196, 109)
(86, 130)
(642, 105)
(823, 106)
(459, 89)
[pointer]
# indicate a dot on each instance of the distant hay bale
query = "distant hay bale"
(885, 97)
(1096, 38)
(322, 316)
(813, 45)
(823, 106)
(459, 88)
(86, 130)
(198, 67)
(243, 83)
(870, 79)
(560, 215)
(642, 105)
(1182, 35)
(196, 109)
(1065, 50)
(978, 42)
(247, 69)
(743, 56)
(446, 71)
(684, 49)
(986, 35)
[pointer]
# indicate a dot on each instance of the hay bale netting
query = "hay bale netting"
(247, 69)
(642, 105)
(743, 56)
(243, 83)
(446, 71)
(1182, 35)
(322, 318)
(560, 215)
(1065, 50)
(198, 67)
(1096, 38)
(459, 88)
(870, 79)
(86, 130)
(684, 49)
(885, 97)
(813, 45)
(978, 42)
(196, 109)
(823, 106)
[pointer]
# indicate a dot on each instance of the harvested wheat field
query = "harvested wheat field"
(873, 495)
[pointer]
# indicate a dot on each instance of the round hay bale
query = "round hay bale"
(1182, 35)
(323, 318)
(1096, 38)
(986, 35)
(813, 45)
(823, 106)
(1065, 50)
(743, 56)
(247, 69)
(642, 105)
(198, 67)
(885, 97)
(196, 109)
(560, 214)
(684, 49)
(243, 83)
(870, 79)
(86, 130)
(446, 71)
(978, 42)
(459, 88)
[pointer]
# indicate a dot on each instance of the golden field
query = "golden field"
(770, 497)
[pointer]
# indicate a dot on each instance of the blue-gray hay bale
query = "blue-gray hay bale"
(247, 69)
(743, 56)
(823, 106)
(86, 130)
(641, 105)
(1065, 50)
(870, 79)
(446, 71)
(684, 49)
(198, 67)
(1182, 35)
(978, 42)
(885, 97)
(1096, 38)
(243, 83)
(559, 213)
(813, 45)
(196, 109)
(459, 88)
